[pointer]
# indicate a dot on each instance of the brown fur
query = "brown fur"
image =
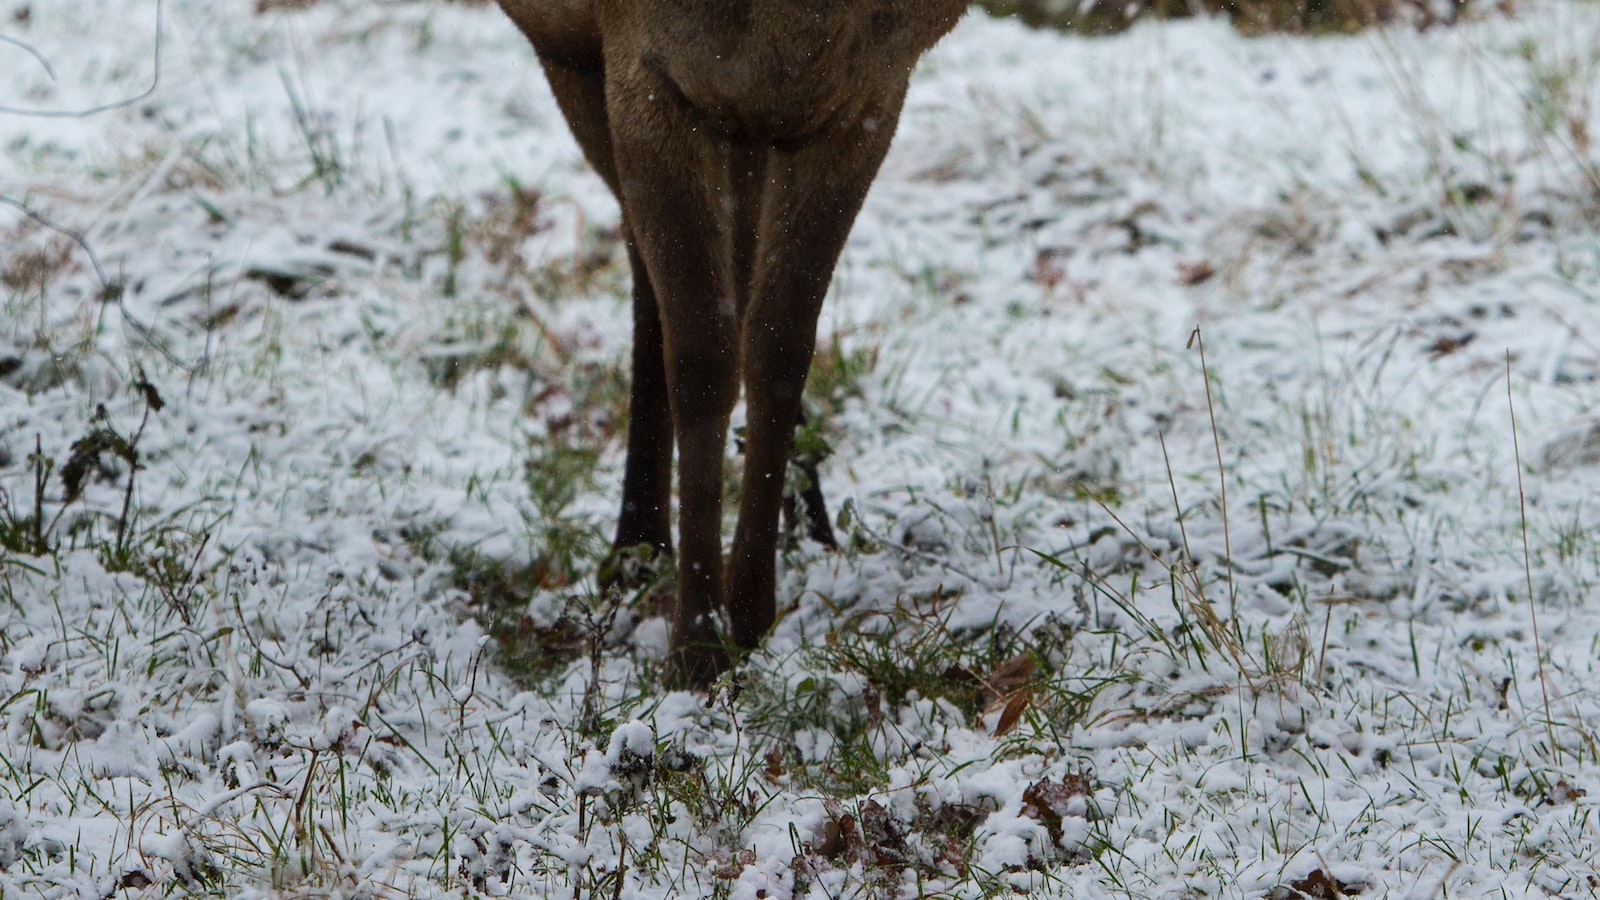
(740, 137)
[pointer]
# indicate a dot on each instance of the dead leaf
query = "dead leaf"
(1014, 674)
(885, 836)
(774, 771)
(958, 820)
(874, 703)
(728, 867)
(133, 880)
(1563, 792)
(1449, 344)
(1047, 801)
(1191, 274)
(1009, 677)
(1012, 714)
(840, 838)
(960, 675)
(830, 843)
(1318, 885)
(1046, 271)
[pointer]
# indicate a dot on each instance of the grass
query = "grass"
(832, 727)
(1254, 17)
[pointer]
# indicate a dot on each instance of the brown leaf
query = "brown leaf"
(1014, 674)
(959, 675)
(1046, 271)
(774, 771)
(1048, 801)
(1009, 677)
(874, 704)
(1563, 792)
(855, 849)
(1191, 274)
(1448, 344)
(958, 820)
(830, 843)
(808, 867)
(840, 836)
(1012, 714)
(728, 867)
(1319, 885)
(152, 397)
(884, 835)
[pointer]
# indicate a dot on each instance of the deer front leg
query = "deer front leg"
(776, 358)
(810, 202)
(673, 180)
(703, 393)
(645, 518)
(701, 367)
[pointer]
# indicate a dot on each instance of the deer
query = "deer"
(740, 138)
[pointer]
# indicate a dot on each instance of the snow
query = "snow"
(262, 672)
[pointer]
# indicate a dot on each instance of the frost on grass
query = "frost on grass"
(305, 473)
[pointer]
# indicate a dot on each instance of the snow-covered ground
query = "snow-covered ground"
(1114, 619)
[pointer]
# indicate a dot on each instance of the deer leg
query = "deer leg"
(775, 369)
(645, 520)
(704, 394)
(749, 179)
(810, 202)
(674, 180)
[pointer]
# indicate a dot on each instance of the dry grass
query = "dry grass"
(1249, 16)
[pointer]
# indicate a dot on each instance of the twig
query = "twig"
(1177, 508)
(155, 81)
(110, 291)
(28, 48)
(1195, 341)
(1322, 655)
(39, 476)
(1527, 567)
(621, 874)
(75, 236)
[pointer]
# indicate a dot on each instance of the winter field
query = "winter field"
(313, 343)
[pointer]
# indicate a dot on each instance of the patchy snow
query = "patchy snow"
(355, 255)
